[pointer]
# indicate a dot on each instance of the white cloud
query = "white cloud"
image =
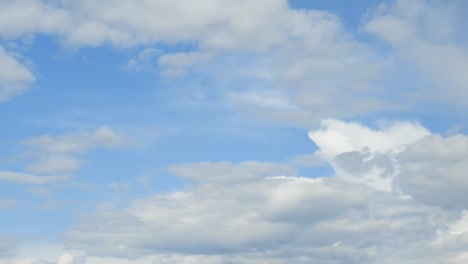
(15, 78)
(263, 217)
(76, 143)
(69, 258)
(336, 137)
(8, 246)
(23, 178)
(300, 50)
(21, 261)
(433, 171)
(227, 26)
(65, 258)
(364, 155)
(424, 35)
(402, 157)
(58, 155)
(19, 18)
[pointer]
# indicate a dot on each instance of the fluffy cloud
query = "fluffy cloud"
(292, 56)
(336, 137)
(364, 155)
(228, 26)
(265, 217)
(19, 18)
(399, 157)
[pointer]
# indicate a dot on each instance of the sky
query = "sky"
(233, 131)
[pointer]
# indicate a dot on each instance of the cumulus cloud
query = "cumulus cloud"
(365, 155)
(399, 157)
(266, 217)
(336, 137)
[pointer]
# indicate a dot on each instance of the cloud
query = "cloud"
(15, 78)
(229, 26)
(364, 155)
(65, 258)
(299, 49)
(57, 158)
(69, 258)
(399, 157)
(8, 246)
(19, 18)
(423, 36)
(58, 154)
(23, 178)
(76, 143)
(433, 171)
(285, 59)
(336, 137)
(225, 26)
(264, 217)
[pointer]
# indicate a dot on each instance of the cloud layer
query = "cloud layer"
(251, 212)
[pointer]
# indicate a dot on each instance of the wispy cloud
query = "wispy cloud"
(60, 154)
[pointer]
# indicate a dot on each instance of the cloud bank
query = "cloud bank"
(380, 206)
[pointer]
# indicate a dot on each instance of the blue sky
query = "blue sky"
(245, 132)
